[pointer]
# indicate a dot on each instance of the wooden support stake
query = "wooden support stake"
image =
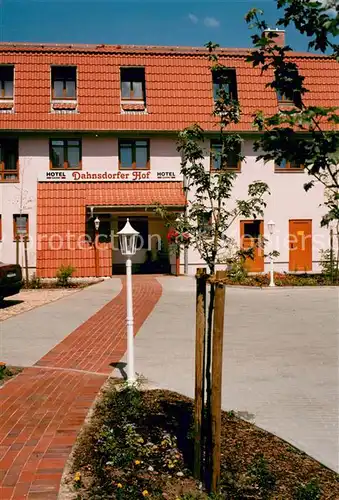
(217, 348)
(17, 256)
(200, 332)
(26, 258)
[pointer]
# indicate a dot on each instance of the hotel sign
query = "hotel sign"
(109, 176)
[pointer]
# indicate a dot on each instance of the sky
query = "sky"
(137, 22)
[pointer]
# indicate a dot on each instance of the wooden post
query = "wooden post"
(26, 258)
(200, 332)
(96, 255)
(17, 256)
(217, 348)
(331, 256)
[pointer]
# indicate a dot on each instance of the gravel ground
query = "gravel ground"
(29, 299)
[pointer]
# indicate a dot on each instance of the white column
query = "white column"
(130, 323)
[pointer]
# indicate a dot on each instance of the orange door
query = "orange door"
(251, 234)
(300, 245)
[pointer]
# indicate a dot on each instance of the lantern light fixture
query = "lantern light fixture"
(128, 239)
(271, 226)
(97, 223)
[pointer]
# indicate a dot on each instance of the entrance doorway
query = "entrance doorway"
(251, 236)
(152, 251)
(300, 245)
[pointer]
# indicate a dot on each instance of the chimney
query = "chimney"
(278, 40)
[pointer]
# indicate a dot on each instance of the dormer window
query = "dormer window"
(6, 81)
(133, 84)
(225, 79)
(64, 82)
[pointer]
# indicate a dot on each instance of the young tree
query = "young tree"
(211, 208)
(305, 135)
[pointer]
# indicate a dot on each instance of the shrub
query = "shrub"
(262, 476)
(63, 274)
(236, 269)
(309, 491)
(34, 283)
(329, 264)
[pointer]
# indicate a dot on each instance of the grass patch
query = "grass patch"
(138, 445)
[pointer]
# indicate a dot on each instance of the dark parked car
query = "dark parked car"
(10, 279)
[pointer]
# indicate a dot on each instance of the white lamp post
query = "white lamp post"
(128, 246)
(271, 226)
(96, 237)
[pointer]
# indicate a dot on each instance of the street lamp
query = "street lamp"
(96, 227)
(128, 246)
(271, 226)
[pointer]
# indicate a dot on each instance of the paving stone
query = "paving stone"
(44, 407)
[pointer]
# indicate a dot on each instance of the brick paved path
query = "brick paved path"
(43, 408)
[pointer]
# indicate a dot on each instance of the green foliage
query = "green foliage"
(129, 456)
(6, 372)
(309, 491)
(282, 138)
(34, 283)
(237, 271)
(262, 476)
(211, 197)
(329, 264)
(63, 274)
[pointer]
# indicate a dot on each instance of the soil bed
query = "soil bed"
(52, 283)
(282, 279)
(139, 445)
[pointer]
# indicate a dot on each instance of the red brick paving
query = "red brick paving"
(44, 407)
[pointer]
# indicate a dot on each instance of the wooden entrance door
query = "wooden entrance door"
(251, 236)
(300, 245)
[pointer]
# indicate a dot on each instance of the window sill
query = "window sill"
(130, 169)
(289, 170)
(227, 171)
(12, 181)
(67, 99)
(6, 104)
(69, 105)
(133, 106)
(69, 169)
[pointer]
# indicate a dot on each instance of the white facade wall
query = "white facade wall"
(288, 199)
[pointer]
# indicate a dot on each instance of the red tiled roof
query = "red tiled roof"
(113, 193)
(178, 87)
